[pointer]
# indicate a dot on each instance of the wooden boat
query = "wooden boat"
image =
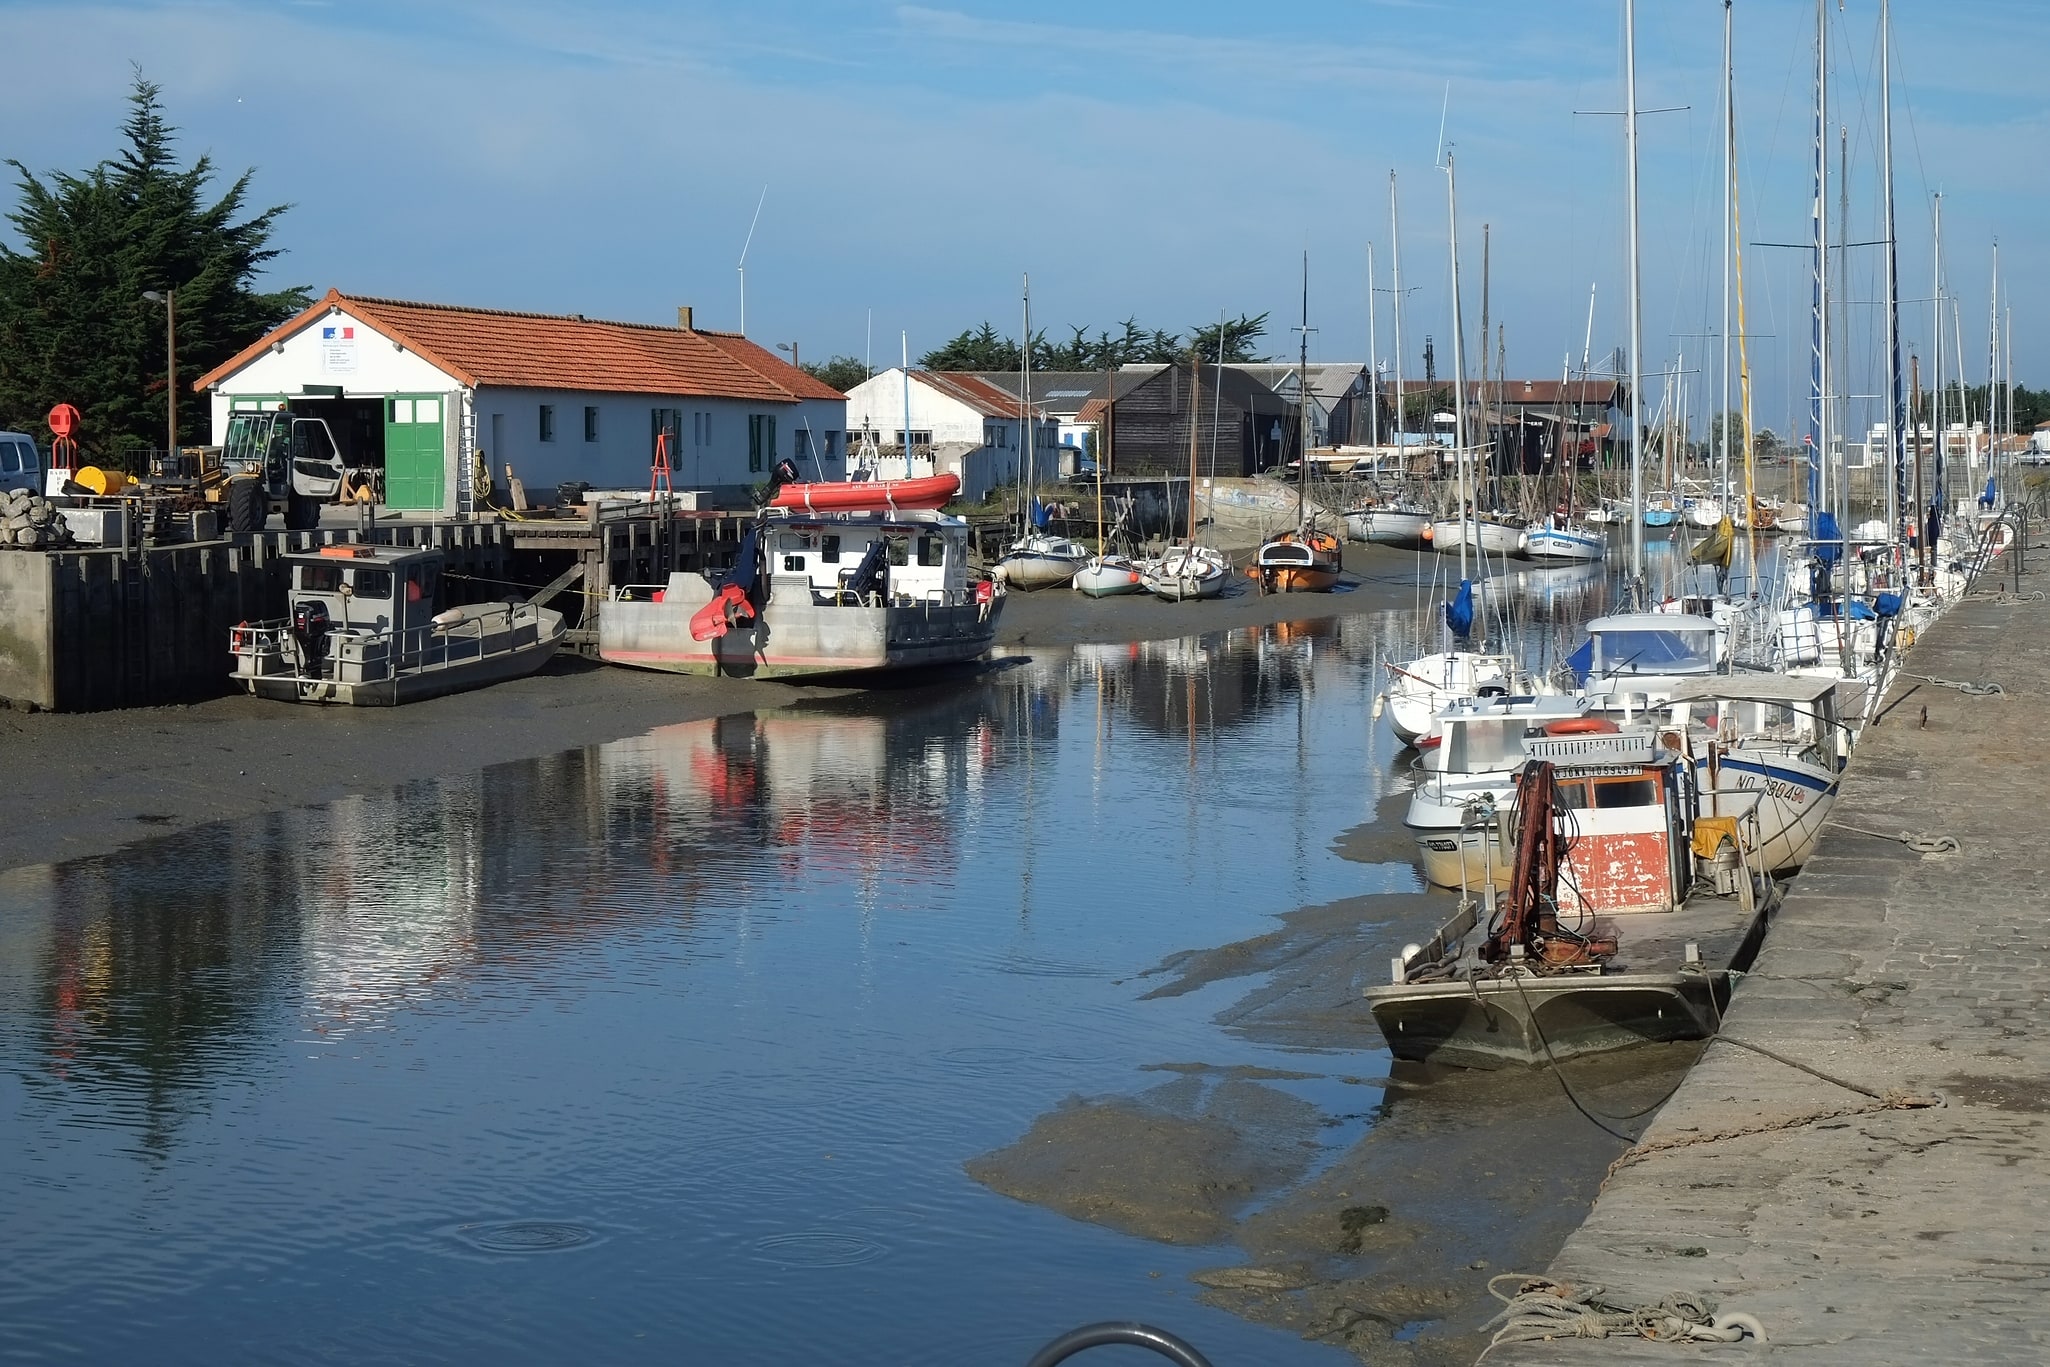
(830, 593)
(1389, 525)
(1490, 533)
(931, 491)
(1298, 562)
(1603, 943)
(364, 632)
(1562, 541)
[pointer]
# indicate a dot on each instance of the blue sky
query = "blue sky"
(1150, 159)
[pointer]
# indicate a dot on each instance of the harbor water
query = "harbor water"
(686, 1047)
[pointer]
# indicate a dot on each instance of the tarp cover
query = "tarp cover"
(1459, 612)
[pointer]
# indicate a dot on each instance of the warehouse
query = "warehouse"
(420, 397)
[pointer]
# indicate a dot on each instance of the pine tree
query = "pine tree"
(74, 327)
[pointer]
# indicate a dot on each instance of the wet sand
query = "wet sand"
(82, 784)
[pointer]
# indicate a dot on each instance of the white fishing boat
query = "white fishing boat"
(1560, 540)
(1181, 573)
(814, 593)
(363, 631)
(1103, 576)
(1467, 773)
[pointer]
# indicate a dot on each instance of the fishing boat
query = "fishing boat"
(363, 631)
(814, 593)
(1626, 922)
(1469, 773)
(1304, 560)
(1768, 749)
(1559, 539)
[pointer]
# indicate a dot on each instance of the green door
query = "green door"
(413, 449)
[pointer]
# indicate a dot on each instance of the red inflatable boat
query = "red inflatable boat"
(882, 495)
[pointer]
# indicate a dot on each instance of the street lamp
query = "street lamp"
(790, 347)
(168, 297)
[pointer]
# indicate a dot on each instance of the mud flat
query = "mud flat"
(1382, 1245)
(1816, 1186)
(80, 784)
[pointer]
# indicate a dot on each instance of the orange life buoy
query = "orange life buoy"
(1581, 726)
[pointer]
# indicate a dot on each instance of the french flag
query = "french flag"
(345, 334)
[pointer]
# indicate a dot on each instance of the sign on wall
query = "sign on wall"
(338, 350)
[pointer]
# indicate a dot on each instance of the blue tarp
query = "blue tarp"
(1581, 661)
(1887, 604)
(1459, 612)
(1858, 610)
(1040, 515)
(1828, 540)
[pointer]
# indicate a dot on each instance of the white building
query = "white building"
(957, 422)
(423, 393)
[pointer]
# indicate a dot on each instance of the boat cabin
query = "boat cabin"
(1649, 643)
(1626, 828)
(1494, 735)
(1768, 709)
(901, 557)
(365, 588)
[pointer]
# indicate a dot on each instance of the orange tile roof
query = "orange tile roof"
(971, 389)
(553, 351)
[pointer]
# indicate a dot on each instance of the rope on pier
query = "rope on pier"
(1971, 688)
(1929, 846)
(2004, 598)
(1542, 1309)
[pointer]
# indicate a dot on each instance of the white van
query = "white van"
(21, 467)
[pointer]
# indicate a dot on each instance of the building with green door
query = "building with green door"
(423, 398)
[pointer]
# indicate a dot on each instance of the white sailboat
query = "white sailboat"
(1191, 570)
(1035, 560)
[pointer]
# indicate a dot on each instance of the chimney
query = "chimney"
(683, 317)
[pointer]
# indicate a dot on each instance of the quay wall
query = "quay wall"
(1862, 1159)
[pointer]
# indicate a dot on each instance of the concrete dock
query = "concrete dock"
(1821, 1190)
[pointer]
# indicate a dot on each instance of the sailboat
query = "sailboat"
(1304, 560)
(1036, 560)
(1104, 575)
(1190, 570)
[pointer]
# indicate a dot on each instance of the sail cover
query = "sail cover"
(1459, 612)
(1828, 540)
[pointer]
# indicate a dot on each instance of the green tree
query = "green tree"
(841, 372)
(1735, 422)
(974, 349)
(74, 327)
(1230, 342)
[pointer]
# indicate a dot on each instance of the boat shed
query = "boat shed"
(421, 397)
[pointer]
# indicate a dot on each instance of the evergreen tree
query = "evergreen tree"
(74, 327)
(841, 372)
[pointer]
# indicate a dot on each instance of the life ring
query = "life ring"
(1581, 726)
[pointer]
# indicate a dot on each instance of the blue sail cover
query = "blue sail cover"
(1987, 499)
(1459, 612)
(1828, 539)
(1581, 661)
(1887, 604)
(1040, 514)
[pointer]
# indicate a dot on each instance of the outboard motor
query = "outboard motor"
(309, 627)
(781, 473)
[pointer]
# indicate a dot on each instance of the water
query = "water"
(674, 1048)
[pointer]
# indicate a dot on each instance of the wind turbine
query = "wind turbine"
(743, 257)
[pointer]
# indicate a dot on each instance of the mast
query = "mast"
(1636, 308)
(1818, 214)
(1484, 440)
(1395, 250)
(1897, 410)
(1302, 394)
(1216, 419)
(1993, 360)
(1373, 369)
(1458, 364)
(1932, 515)
(1195, 421)
(1729, 181)
(1027, 438)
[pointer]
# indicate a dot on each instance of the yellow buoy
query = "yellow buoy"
(103, 482)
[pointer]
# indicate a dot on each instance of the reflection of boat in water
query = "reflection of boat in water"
(1547, 975)
(363, 631)
(814, 594)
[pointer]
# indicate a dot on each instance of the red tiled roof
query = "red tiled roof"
(990, 400)
(552, 351)
(1093, 411)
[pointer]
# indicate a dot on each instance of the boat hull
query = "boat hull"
(1568, 547)
(794, 636)
(1492, 538)
(1388, 527)
(1495, 1023)
(527, 645)
(1106, 578)
(885, 495)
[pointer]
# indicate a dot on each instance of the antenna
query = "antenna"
(1444, 110)
(742, 268)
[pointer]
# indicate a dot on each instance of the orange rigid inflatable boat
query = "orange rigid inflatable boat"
(882, 495)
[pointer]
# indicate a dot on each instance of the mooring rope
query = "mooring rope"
(1542, 1309)
(1971, 688)
(1926, 845)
